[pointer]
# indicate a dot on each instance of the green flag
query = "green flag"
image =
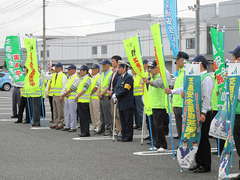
(13, 59)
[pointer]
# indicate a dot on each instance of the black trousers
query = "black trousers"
(221, 141)
(84, 115)
(158, 119)
(43, 108)
(236, 134)
(23, 105)
(203, 155)
(178, 117)
(51, 105)
(126, 119)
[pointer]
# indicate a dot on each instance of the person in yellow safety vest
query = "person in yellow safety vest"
(159, 116)
(83, 99)
(49, 94)
(58, 88)
(177, 100)
(94, 102)
(106, 117)
(236, 131)
(112, 83)
(23, 103)
(138, 102)
(70, 105)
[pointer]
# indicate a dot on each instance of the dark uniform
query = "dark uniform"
(124, 93)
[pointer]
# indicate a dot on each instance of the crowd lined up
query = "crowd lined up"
(92, 97)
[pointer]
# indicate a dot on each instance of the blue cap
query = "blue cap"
(71, 66)
(185, 140)
(145, 61)
(95, 66)
(194, 142)
(182, 55)
(106, 61)
(58, 65)
(153, 64)
(200, 58)
(84, 67)
(236, 51)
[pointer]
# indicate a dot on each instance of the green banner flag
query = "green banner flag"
(133, 51)
(159, 55)
(219, 64)
(31, 81)
(13, 59)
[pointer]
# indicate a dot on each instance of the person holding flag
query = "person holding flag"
(159, 116)
(236, 130)
(177, 100)
(203, 155)
(123, 92)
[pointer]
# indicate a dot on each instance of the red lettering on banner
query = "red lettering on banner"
(220, 79)
(18, 72)
(16, 57)
(215, 66)
(16, 65)
(31, 76)
(135, 60)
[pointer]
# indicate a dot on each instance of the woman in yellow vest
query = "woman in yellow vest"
(83, 99)
(70, 104)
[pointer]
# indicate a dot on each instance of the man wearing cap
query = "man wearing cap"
(112, 84)
(106, 117)
(83, 99)
(58, 87)
(124, 94)
(177, 100)
(236, 131)
(70, 105)
(157, 96)
(94, 103)
(203, 155)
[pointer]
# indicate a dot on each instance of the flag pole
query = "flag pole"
(169, 112)
(150, 128)
(227, 120)
(41, 87)
(29, 110)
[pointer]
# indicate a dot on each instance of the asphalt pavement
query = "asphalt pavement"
(27, 153)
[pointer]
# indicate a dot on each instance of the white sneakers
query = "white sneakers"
(157, 149)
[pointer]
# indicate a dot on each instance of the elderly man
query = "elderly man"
(70, 105)
(106, 117)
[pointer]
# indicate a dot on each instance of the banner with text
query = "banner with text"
(191, 126)
(133, 51)
(13, 59)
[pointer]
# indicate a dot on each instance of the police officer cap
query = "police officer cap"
(71, 66)
(106, 61)
(123, 64)
(202, 59)
(84, 67)
(185, 140)
(182, 55)
(95, 66)
(235, 51)
(152, 64)
(145, 61)
(194, 142)
(58, 65)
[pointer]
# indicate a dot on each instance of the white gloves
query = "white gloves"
(114, 98)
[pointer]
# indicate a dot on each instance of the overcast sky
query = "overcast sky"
(72, 17)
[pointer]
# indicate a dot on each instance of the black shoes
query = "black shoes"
(25, 122)
(199, 169)
(84, 135)
(17, 122)
(15, 116)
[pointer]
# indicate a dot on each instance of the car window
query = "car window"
(1, 74)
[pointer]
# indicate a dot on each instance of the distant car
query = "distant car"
(5, 81)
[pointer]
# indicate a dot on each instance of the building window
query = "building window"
(190, 43)
(104, 49)
(48, 53)
(94, 50)
(42, 53)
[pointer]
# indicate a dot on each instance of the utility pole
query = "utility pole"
(197, 43)
(179, 34)
(44, 36)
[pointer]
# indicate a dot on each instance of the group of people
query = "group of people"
(93, 97)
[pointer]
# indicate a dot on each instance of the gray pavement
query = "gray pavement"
(27, 153)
